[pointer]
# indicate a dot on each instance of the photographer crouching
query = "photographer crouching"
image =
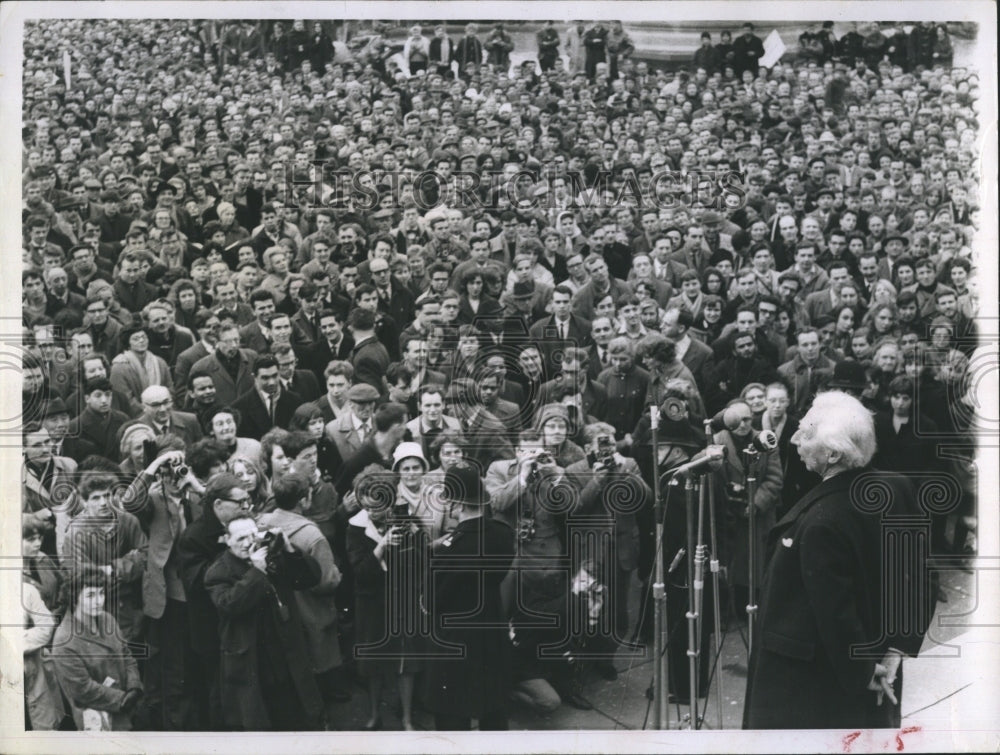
(267, 680)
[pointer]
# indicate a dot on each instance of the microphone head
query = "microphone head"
(718, 423)
(674, 409)
(765, 441)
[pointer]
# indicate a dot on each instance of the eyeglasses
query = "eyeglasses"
(243, 503)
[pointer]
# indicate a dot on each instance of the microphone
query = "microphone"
(712, 456)
(765, 441)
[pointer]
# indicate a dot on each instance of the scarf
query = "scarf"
(147, 368)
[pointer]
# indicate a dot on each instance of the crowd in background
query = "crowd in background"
(277, 287)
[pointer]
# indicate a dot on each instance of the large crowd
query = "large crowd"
(308, 322)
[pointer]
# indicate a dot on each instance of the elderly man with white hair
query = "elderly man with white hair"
(828, 653)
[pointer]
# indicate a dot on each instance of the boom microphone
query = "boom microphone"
(712, 456)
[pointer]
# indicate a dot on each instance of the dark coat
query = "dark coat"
(89, 654)
(254, 418)
(822, 625)
(317, 356)
(305, 384)
(475, 680)
(100, 430)
(371, 359)
(249, 603)
(185, 361)
(226, 389)
(545, 333)
(197, 549)
(387, 598)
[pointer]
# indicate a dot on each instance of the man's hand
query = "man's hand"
(170, 457)
(885, 676)
(259, 559)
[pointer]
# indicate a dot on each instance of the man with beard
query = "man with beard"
(732, 374)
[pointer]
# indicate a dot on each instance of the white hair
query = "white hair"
(839, 422)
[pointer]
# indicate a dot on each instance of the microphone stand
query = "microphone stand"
(661, 716)
(751, 455)
(709, 492)
(696, 567)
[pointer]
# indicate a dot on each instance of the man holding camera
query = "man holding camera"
(267, 680)
(532, 495)
(159, 499)
(611, 492)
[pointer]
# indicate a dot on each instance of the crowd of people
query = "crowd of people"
(339, 356)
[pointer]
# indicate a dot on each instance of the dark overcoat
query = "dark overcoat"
(823, 622)
(469, 624)
(246, 600)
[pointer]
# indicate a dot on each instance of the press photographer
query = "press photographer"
(267, 680)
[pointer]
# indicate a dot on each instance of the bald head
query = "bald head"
(157, 403)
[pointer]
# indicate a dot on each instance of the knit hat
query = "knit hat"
(408, 450)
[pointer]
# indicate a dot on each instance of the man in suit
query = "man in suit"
(572, 384)
(696, 356)
(560, 330)
(354, 426)
(336, 344)
(302, 382)
(829, 654)
(266, 405)
(229, 366)
(369, 356)
(394, 298)
(257, 334)
(207, 323)
(158, 413)
(305, 323)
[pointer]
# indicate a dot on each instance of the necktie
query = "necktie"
(562, 331)
(604, 357)
(270, 408)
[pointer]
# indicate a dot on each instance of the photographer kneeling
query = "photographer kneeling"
(267, 680)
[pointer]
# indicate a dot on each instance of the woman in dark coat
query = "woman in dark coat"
(387, 550)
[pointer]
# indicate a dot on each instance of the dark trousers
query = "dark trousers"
(207, 692)
(169, 671)
(493, 721)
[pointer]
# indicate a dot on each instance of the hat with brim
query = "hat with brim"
(362, 393)
(408, 450)
(462, 484)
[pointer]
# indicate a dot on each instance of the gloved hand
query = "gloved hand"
(130, 700)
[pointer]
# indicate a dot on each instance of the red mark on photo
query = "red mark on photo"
(849, 740)
(899, 737)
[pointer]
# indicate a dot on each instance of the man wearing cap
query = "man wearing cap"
(474, 681)
(55, 419)
(354, 425)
